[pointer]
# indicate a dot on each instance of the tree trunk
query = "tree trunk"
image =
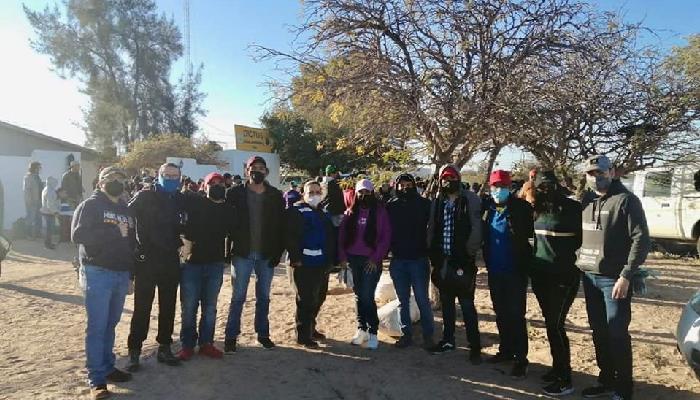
(493, 154)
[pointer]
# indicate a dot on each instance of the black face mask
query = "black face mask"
(217, 192)
(114, 188)
(449, 187)
(407, 192)
(257, 176)
(365, 200)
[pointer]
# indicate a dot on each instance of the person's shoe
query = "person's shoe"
(209, 350)
(618, 396)
(118, 376)
(442, 347)
(308, 343)
(519, 370)
(558, 388)
(100, 392)
(360, 337)
(475, 356)
(499, 358)
(266, 343)
(186, 353)
(594, 392)
(230, 346)
(403, 342)
(550, 376)
(165, 355)
(373, 341)
(318, 335)
(133, 364)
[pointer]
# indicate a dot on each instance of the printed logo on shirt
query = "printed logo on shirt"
(110, 217)
(362, 221)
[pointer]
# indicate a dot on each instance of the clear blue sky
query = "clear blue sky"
(221, 30)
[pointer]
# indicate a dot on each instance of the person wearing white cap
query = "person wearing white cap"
(363, 243)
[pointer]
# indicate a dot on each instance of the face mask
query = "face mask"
(313, 200)
(407, 192)
(449, 187)
(217, 192)
(257, 177)
(500, 195)
(168, 185)
(598, 183)
(365, 200)
(114, 188)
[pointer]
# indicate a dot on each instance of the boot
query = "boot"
(133, 364)
(165, 355)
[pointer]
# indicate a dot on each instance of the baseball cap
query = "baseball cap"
(404, 177)
(294, 183)
(365, 184)
(255, 159)
(500, 177)
(597, 163)
(227, 175)
(110, 171)
(236, 177)
(449, 170)
(331, 169)
(212, 176)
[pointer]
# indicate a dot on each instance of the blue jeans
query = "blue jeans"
(509, 297)
(199, 285)
(610, 319)
(364, 285)
(104, 303)
(50, 227)
(243, 268)
(415, 274)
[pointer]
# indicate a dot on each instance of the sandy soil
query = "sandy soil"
(42, 326)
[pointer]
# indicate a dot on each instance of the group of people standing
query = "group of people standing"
(164, 238)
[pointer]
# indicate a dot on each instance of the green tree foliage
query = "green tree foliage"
(153, 151)
(122, 51)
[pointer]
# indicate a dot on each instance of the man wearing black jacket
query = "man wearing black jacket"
(104, 233)
(409, 214)
(159, 216)
(615, 243)
(310, 240)
(453, 239)
(257, 245)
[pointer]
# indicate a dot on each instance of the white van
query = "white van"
(671, 201)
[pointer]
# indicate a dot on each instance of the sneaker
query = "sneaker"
(442, 347)
(373, 341)
(558, 388)
(550, 376)
(475, 356)
(360, 337)
(165, 355)
(499, 358)
(133, 364)
(403, 342)
(318, 335)
(308, 343)
(519, 370)
(209, 350)
(230, 346)
(118, 376)
(185, 354)
(100, 392)
(266, 343)
(597, 391)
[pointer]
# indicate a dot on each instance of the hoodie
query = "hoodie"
(50, 204)
(357, 246)
(95, 229)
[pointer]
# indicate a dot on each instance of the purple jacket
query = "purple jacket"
(358, 247)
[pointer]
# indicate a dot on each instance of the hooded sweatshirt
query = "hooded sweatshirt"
(50, 204)
(358, 247)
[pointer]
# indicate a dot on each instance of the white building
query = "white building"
(19, 147)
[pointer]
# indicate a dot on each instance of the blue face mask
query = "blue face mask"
(500, 195)
(169, 185)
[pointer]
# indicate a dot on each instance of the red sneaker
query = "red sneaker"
(210, 351)
(185, 354)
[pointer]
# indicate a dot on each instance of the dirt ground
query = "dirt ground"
(42, 340)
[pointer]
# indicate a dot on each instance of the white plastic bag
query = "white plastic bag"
(390, 316)
(82, 279)
(345, 277)
(385, 289)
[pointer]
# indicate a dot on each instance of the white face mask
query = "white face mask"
(313, 200)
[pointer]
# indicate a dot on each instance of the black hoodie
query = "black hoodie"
(95, 229)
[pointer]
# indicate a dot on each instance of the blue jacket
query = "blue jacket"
(409, 227)
(310, 237)
(95, 229)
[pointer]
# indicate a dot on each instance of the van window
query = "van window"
(658, 184)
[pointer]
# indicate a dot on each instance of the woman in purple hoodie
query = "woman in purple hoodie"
(363, 242)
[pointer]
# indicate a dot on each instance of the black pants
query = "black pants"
(555, 294)
(509, 298)
(465, 296)
(149, 276)
(309, 283)
(323, 291)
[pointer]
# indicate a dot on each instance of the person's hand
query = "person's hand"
(130, 290)
(621, 288)
(370, 267)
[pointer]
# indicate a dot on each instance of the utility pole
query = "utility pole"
(188, 59)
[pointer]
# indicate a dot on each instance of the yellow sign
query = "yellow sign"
(252, 139)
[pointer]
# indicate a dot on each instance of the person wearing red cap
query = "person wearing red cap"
(256, 245)
(507, 252)
(209, 222)
(454, 237)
